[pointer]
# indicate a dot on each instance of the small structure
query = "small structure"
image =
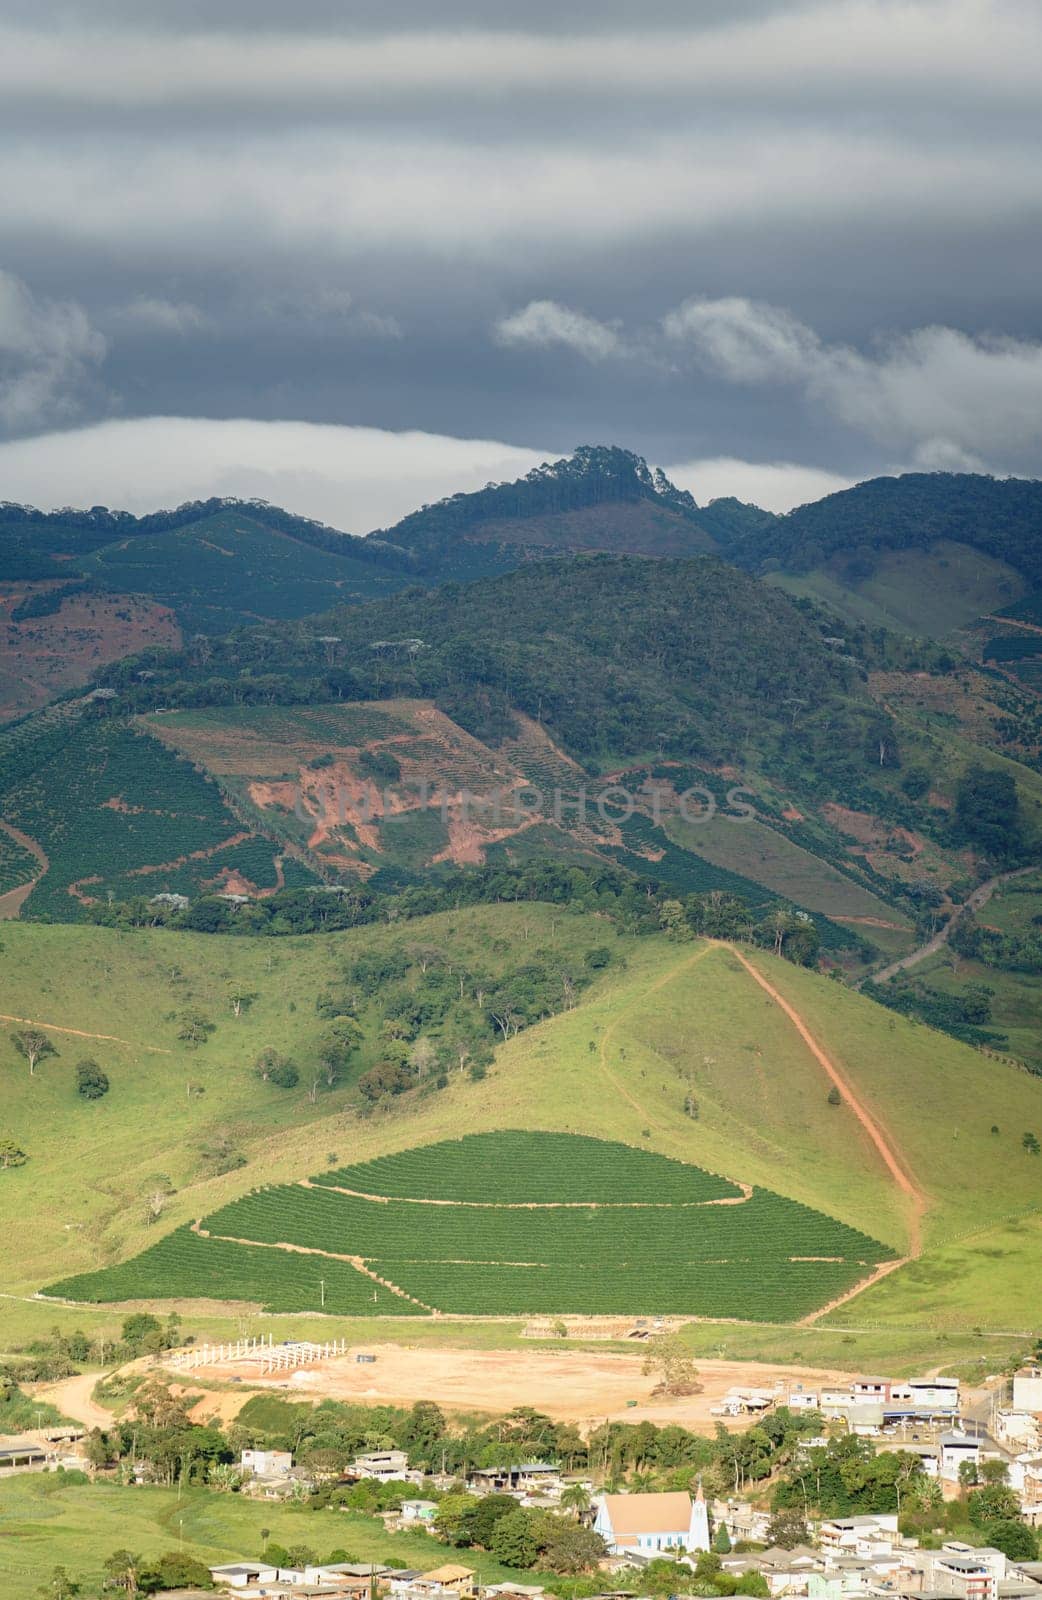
(417, 1513)
(383, 1465)
(266, 1463)
(645, 1524)
(529, 1477)
(23, 1455)
(1027, 1389)
(955, 1449)
(450, 1582)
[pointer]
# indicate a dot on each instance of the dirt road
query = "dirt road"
(980, 897)
(881, 1140)
(72, 1397)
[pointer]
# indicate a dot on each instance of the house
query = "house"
(969, 1572)
(450, 1582)
(955, 1449)
(266, 1463)
(859, 1536)
(1027, 1389)
(243, 1575)
(417, 1513)
(645, 1524)
(529, 1477)
(382, 1465)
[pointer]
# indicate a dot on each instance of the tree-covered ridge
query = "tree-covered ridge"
(616, 656)
(593, 477)
(1000, 516)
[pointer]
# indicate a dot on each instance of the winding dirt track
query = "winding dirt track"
(78, 1033)
(908, 1186)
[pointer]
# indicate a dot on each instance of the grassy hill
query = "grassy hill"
(666, 1026)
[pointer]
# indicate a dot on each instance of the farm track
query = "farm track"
(536, 1205)
(881, 1140)
(975, 902)
(883, 1270)
(79, 1033)
(308, 1250)
(12, 901)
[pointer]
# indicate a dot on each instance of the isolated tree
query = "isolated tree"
(273, 1067)
(122, 1570)
(423, 1057)
(568, 1547)
(336, 1047)
(1031, 1144)
(11, 1155)
(667, 1357)
(34, 1046)
(240, 998)
(722, 1540)
(194, 1026)
(834, 1097)
(91, 1082)
(576, 1499)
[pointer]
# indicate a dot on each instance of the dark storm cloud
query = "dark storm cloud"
(484, 219)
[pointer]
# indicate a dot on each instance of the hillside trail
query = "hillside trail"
(1014, 622)
(78, 1033)
(880, 1139)
(980, 897)
(660, 983)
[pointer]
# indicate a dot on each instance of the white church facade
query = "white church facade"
(652, 1524)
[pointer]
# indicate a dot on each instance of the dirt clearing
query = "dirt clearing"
(583, 1386)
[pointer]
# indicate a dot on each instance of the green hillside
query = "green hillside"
(674, 1050)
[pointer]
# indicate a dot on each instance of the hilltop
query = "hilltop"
(686, 1051)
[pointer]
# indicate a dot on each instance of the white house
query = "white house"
(644, 1524)
(955, 1449)
(1027, 1389)
(381, 1464)
(266, 1463)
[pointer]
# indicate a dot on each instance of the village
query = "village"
(958, 1443)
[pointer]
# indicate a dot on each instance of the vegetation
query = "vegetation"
(764, 1257)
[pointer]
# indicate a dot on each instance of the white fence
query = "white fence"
(270, 1356)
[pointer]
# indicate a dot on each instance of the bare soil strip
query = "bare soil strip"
(78, 1033)
(892, 1162)
(537, 1205)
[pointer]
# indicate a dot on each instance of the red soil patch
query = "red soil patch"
(42, 656)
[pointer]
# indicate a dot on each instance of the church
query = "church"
(650, 1524)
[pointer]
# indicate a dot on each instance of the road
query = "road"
(73, 1397)
(980, 897)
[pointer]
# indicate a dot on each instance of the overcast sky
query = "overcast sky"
(774, 245)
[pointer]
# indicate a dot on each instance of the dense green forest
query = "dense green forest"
(1001, 516)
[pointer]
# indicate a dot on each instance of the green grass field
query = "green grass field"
(45, 1523)
(667, 1024)
(927, 593)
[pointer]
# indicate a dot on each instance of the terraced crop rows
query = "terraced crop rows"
(515, 1166)
(511, 1223)
(186, 1266)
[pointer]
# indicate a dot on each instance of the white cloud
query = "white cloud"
(944, 395)
(48, 351)
(544, 322)
(745, 341)
(774, 485)
(963, 48)
(162, 316)
(355, 479)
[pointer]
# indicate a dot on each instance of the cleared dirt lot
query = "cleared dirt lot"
(580, 1385)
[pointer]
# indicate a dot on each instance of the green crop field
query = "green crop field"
(185, 1266)
(665, 1028)
(672, 1247)
(512, 1167)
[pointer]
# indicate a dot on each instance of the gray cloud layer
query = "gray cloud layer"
(461, 225)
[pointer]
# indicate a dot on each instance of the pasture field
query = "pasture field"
(47, 1522)
(787, 869)
(923, 592)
